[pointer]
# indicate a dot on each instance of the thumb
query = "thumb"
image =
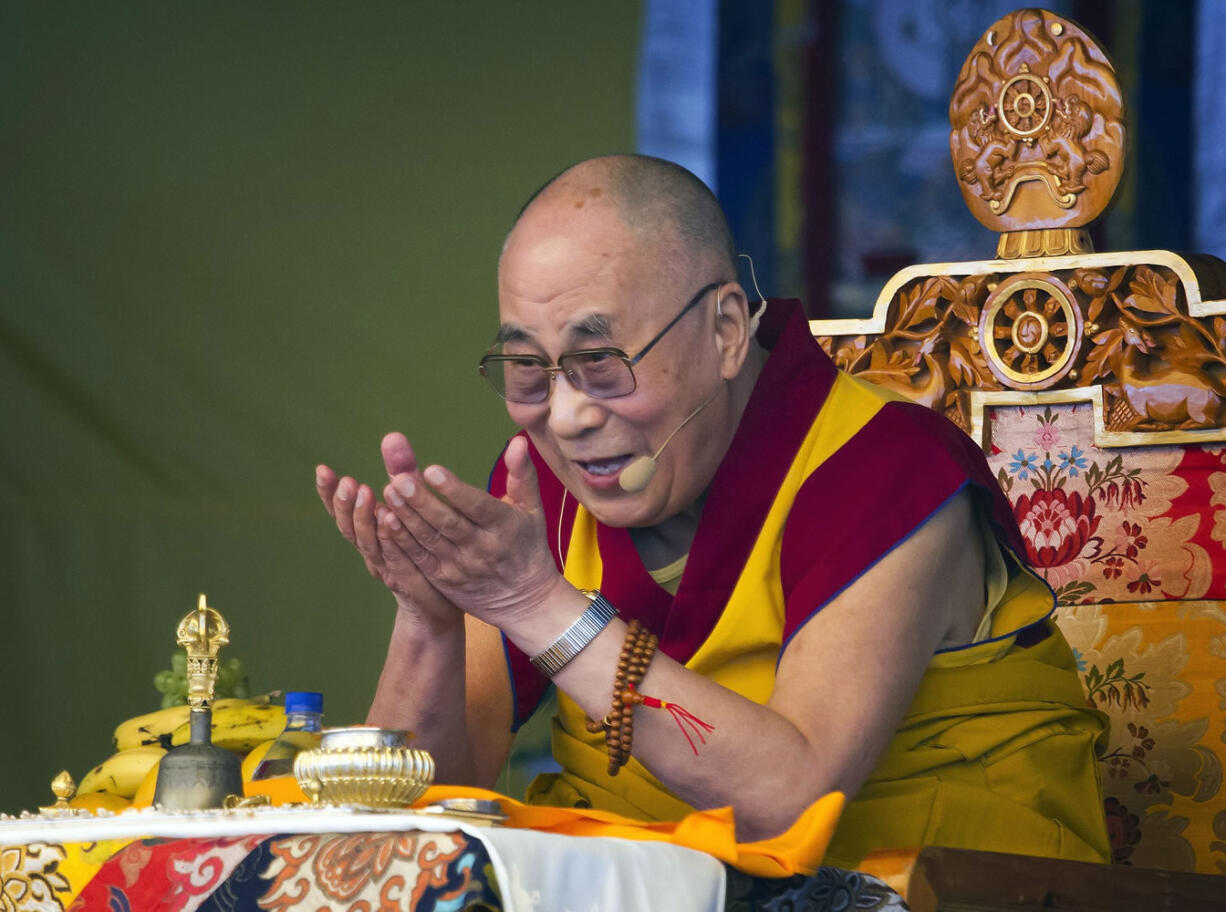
(398, 456)
(523, 491)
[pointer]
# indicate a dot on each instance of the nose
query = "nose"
(571, 411)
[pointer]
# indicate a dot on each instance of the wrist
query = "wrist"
(535, 631)
(576, 637)
(411, 618)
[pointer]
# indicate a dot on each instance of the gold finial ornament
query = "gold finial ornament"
(202, 633)
(63, 787)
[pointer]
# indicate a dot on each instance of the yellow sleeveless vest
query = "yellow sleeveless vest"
(995, 751)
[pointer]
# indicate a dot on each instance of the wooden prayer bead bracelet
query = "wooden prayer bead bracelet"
(638, 649)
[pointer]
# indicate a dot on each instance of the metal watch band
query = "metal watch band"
(577, 635)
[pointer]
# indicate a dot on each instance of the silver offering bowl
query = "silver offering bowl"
(364, 765)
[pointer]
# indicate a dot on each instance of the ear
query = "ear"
(732, 329)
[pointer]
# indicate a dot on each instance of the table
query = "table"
(338, 858)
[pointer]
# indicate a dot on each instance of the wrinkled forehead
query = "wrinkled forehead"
(579, 331)
(581, 272)
(560, 237)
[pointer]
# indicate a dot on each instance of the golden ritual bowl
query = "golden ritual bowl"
(364, 765)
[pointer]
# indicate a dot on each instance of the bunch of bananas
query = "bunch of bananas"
(239, 725)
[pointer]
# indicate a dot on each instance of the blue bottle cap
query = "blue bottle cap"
(304, 701)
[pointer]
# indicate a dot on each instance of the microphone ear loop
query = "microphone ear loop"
(757, 316)
(638, 473)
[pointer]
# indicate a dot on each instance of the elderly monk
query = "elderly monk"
(833, 575)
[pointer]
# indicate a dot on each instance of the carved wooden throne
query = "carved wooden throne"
(1096, 382)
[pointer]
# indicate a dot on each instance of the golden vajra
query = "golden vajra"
(202, 633)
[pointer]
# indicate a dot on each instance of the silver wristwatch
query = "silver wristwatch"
(577, 635)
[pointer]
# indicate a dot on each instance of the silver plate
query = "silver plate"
(472, 810)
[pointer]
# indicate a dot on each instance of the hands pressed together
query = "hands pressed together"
(462, 563)
(443, 547)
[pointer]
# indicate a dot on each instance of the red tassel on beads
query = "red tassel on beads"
(618, 726)
(680, 714)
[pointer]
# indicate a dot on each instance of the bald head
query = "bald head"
(658, 200)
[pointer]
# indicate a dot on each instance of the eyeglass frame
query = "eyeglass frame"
(552, 370)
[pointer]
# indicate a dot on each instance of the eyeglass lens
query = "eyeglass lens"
(600, 374)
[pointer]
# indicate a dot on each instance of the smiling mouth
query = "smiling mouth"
(603, 466)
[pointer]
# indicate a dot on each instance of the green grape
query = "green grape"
(172, 682)
(176, 691)
(164, 681)
(232, 679)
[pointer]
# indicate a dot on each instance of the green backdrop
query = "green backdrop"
(238, 239)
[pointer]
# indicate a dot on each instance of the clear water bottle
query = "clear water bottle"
(304, 713)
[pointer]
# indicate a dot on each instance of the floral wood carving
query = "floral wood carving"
(1037, 121)
(1126, 328)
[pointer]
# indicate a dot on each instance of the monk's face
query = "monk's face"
(574, 276)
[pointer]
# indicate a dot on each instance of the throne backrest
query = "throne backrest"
(1096, 383)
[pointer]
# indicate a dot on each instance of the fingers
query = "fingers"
(325, 487)
(434, 524)
(396, 545)
(342, 506)
(353, 508)
(460, 510)
(523, 490)
(374, 529)
(425, 515)
(365, 535)
(345, 502)
(436, 539)
(404, 556)
(475, 505)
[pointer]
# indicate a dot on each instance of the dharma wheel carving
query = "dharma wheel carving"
(1025, 105)
(1030, 330)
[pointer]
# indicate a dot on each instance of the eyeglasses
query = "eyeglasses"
(602, 373)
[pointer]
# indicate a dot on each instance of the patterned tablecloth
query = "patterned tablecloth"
(337, 859)
(411, 870)
(333, 859)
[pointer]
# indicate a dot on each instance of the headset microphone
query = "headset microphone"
(639, 472)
